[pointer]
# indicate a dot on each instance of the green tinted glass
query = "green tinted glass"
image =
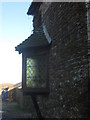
(36, 72)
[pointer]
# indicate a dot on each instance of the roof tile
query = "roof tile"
(37, 39)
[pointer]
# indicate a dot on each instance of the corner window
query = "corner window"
(35, 72)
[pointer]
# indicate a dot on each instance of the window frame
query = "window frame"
(33, 53)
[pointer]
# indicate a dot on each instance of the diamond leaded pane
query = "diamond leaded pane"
(36, 72)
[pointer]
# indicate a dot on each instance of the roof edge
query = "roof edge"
(33, 7)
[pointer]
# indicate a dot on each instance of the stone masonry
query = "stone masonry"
(66, 24)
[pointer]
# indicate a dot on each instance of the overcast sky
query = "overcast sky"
(15, 27)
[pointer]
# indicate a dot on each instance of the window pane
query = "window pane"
(36, 72)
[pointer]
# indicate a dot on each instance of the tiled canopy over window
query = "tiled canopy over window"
(37, 39)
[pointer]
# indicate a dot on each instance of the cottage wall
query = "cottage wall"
(66, 24)
(37, 19)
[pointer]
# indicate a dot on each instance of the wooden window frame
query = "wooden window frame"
(27, 54)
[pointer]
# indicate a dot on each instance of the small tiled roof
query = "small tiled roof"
(37, 39)
(33, 7)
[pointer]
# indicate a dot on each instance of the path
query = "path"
(0, 108)
(12, 110)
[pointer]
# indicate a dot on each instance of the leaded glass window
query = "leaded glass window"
(36, 68)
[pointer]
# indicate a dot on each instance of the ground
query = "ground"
(10, 109)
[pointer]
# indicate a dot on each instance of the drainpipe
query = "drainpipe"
(34, 99)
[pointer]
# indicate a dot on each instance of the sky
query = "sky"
(15, 27)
